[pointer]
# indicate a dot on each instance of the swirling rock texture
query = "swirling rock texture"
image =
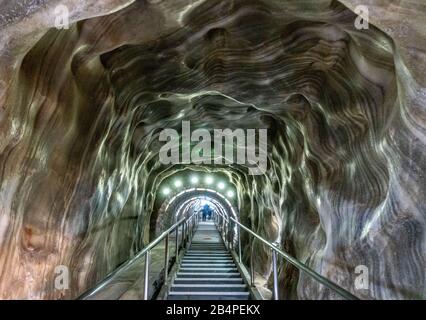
(81, 110)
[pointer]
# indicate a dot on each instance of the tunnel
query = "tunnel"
(300, 123)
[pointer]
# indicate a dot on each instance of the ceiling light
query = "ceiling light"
(178, 183)
(208, 180)
(221, 185)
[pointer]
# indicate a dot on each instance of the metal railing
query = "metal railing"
(187, 226)
(226, 224)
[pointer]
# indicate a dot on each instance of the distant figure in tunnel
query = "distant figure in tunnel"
(206, 212)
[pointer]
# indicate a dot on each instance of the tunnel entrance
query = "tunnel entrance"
(182, 193)
(190, 201)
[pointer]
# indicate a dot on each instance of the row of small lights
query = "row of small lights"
(194, 179)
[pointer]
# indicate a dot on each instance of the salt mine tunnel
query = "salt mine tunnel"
(337, 211)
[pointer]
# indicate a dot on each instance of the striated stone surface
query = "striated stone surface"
(81, 110)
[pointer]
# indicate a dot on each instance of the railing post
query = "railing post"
(186, 231)
(177, 244)
(166, 259)
(183, 235)
(194, 225)
(191, 234)
(223, 226)
(222, 222)
(146, 276)
(239, 244)
(230, 237)
(275, 271)
(252, 266)
(225, 234)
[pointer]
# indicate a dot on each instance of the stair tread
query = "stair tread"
(208, 270)
(205, 253)
(206, 260)
(211, 273)
(208, 279)
(214, 293)
(203, 285)
(208, 264)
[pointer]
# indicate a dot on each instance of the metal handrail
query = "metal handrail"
(225, 229)
(188, 224)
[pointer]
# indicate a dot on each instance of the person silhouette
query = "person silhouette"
(206, 212)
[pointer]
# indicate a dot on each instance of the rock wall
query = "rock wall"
(81, 110)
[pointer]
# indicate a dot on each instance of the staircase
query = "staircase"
(207, 270)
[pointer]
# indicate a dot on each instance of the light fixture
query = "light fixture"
(166, 191)
(194, 179)
(230, 194)
(178, 183)
(221, 185)
(208, 180)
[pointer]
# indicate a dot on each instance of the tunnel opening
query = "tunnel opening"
(188, 188)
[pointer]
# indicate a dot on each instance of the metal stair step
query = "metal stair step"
(207, 249)
(202, 244)
(191, 260)
(202, 255)
(207, 256)
(210, 264)
(207, 260)
(208, 280)
(209, 287)
(208, 270)
(205, 297)
(192, 246)
(214, 254)
(207, 253)
(184, 295)
(207, 246)
(208, 274)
